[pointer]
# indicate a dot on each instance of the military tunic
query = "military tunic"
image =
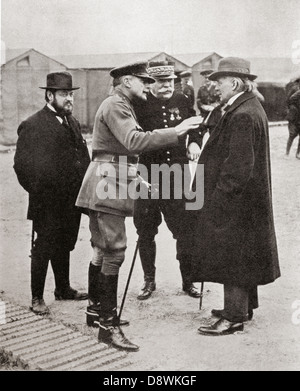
(207, 96)
(156, 113)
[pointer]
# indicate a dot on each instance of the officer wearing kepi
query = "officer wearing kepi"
(117, 140)
(165, 108)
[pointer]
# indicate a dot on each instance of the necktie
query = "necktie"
(68, 126)
(65, 122)
(63, 117)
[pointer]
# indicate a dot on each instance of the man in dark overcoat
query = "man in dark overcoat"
(50, 162)
(235, 236)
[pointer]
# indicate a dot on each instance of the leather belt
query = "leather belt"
(114, 158)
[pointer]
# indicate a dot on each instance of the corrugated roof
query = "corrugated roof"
(106, 61)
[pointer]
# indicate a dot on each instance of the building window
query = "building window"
(24, 62)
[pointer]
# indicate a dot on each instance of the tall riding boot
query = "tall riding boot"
(39, 267)
(147, 250)
(110, 331)
(94, 293)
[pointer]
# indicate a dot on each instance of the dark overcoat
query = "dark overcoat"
(235, 240)
(50, 163)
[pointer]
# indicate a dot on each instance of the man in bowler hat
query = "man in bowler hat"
(50, 162)
(117, 141)
(235, 242)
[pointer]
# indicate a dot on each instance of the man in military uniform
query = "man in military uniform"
(50, 162)
(208, 97)
(117, 140)
(164, 108)
(187, 87)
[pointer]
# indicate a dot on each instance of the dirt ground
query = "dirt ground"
(165, 326)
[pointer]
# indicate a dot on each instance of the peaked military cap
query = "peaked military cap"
(185, 74)
(138, 69)
(162, 70)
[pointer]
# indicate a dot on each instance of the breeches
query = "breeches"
(108, 237)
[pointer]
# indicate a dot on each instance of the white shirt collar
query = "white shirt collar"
(234, 98)
(51, 107)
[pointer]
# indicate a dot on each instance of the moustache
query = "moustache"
(166, 91)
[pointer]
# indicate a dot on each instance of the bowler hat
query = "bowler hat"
(138, 69)
(162, 70)
(59, 81)
(233, 66)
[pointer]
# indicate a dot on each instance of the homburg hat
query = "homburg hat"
(233, 66)
(59, 81)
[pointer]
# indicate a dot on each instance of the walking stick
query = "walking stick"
(129, 278)
(201, 295)
(32, 238)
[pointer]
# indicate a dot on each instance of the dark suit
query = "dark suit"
(235, 242)
(50, 163)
